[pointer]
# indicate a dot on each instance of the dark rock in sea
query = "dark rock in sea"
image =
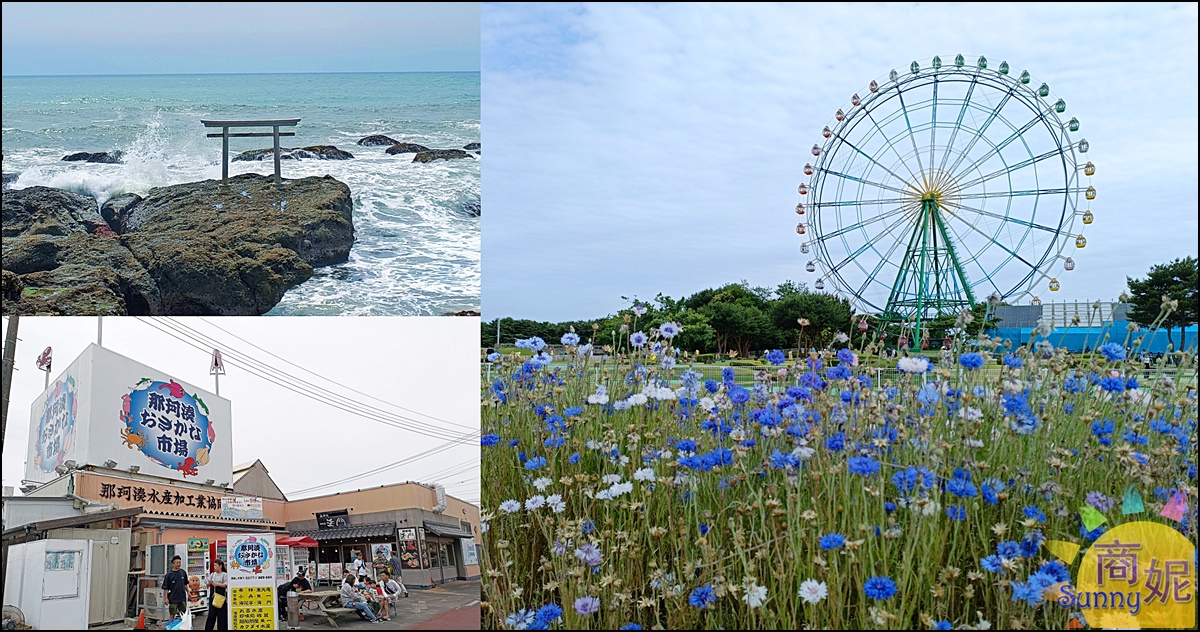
(377, 139)
(12, 286)
(471, 146)
(109, 157)
(316, 152)
(117, 209)
(406, 148)
(10, 178)
(472, 207)
(189, 249)
(463, 313)
(441, 154)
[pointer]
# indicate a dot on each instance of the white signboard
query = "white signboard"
(105, 406)
(252, 603)
(242, 507)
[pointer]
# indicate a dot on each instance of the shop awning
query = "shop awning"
(353, 532)
(446, 531)
(296, 541)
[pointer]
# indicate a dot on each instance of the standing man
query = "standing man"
(360, 566)
(394, 572)
(176, 586)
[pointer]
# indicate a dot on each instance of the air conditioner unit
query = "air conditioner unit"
(145, 539)
(154, 598)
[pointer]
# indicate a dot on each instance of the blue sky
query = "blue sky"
(54, 38)
(637, 149)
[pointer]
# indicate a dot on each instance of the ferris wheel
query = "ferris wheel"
(942, 185)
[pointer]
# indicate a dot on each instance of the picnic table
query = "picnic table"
(324, 603)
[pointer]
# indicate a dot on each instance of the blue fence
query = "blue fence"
(1078, 339)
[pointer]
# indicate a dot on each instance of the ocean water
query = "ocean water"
(417, 250)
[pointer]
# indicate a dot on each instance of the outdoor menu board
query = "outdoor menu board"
(410, 552)
(252, 604)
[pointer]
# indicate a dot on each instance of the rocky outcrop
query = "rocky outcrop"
(472, 207)
(406, 148)
(463, 313)
(116, 210)
(110, 157)
(316, 152)
(441, 154)
(377, 139)
(188, 249)
(470, 146)
(10, 178)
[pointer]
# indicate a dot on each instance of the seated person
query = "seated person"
(351, 598)
(378, 598)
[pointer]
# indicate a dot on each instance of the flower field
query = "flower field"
(626, 490)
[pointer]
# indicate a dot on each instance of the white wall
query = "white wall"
(21, 510)
(26, 581)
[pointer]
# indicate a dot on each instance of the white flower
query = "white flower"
(609, 479)
(535, 502)
(913, 365)
(755, 595)
(560, 547)
(621, 404)
(484, 526)
(510, 506)
(592, 444)
(555, 502)
(621, 488)
(841, 337)
(804, 452)
(638, 399)
(1044, 327)
(813, 591)
(599, 397)
(584, 350)
(707, 404)
(971, 413)
(604, 494)
(644, 474)
(542, 483)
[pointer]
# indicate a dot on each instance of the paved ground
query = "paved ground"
(452, 606)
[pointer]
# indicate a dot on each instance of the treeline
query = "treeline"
(733, 317)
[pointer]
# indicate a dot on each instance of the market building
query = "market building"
(140, 465)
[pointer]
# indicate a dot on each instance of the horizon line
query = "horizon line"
(282, 72)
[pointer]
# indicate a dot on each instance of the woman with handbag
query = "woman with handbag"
(217, 584)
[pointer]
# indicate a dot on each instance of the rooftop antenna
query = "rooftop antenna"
(217, 369)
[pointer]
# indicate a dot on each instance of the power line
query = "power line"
(351, 389)
(269, 374)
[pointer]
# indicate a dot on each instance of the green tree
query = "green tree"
(1177, 281)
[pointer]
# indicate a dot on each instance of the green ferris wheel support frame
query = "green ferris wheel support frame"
(931, 276)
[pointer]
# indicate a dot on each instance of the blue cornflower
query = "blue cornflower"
(1041, 580)
(556, 441)
(845, 356)
(514, 443)
(739, 394)
(535, 462)
(489, 439)
(521, 619)
(1013, 361)
(839, 372)
(1027, 592)
(493, 357)
(588, 526)
(1034, 512)
(1008, 549)
(836, 442)
(1112, 352)
(782, 460)
(1032, 542)
(573, 411)
(727, 374)
(1131, 383)
(889, 506)
(574, 458)
(956, 513)
(702, 596)
(630, 626)
(776, 357)
(863, 465)
(1056, 571)
(879, 588)
(832, 541)
(1133, 437)
(1112, 384)
(686, 445)
(638, 339)
(703, 529)
(992, 564)
(961, 486)
(711, 386)
(971, 361)
(944, 624)
(570, 339)
(549, 613)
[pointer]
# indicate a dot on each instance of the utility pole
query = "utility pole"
(10, 350)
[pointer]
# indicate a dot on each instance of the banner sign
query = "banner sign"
(106, 407)
(242, 507)
(197, 544)
(56, 426)
(252, 604)
(333, 519)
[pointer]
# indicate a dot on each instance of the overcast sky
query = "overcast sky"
(637, 149)
(428, 365)
(101, 38)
